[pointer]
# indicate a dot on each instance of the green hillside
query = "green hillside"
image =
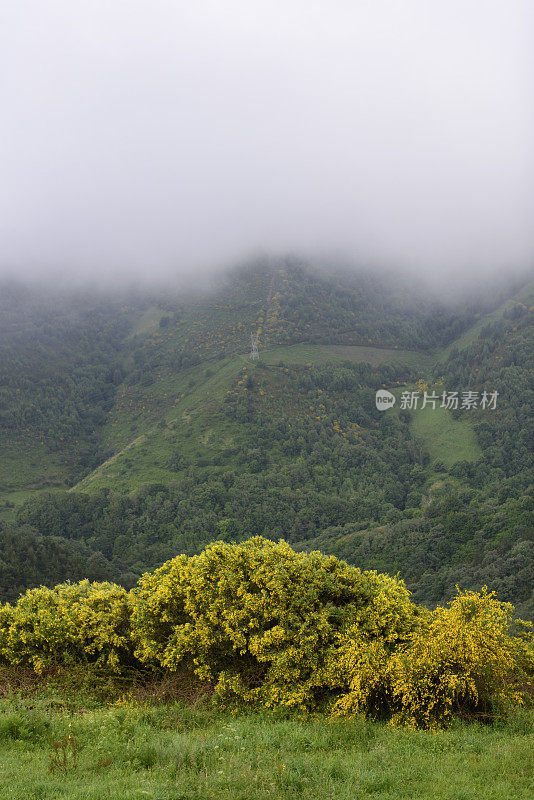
(523, 299)
(138, 427)
(145, 427)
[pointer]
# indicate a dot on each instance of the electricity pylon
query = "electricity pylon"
(254, 339)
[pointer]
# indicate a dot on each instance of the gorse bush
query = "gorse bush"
(468, 660)
(263, 621)
(66, 625)
(464, 661)
(271, 627)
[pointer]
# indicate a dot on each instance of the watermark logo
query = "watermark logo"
(411, 401)
(450, 400)
(384, 400)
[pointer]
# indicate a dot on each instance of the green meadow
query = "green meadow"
(446, 439)
(51, 749)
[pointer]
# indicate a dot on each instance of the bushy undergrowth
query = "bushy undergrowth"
(267, 626)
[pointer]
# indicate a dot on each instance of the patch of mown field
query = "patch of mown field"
(26, 467)
(50, 749)
(445, 438)
(26, 459)
(11, 501)
(148, 321)
(324, 353)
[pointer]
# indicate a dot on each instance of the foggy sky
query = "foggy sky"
(159, 137)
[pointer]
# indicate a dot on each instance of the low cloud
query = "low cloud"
(150, 139)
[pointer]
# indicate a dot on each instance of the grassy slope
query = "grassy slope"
(179, 753)
(323, 353)
(525, 295)
(148, 321)
(26, 468)
(445, 438)
(147, 424)
(176, 413)
(180, 412)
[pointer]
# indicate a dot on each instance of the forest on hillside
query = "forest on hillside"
(134, 429)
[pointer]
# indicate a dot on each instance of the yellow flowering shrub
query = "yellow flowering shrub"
(365, 648)
(469, 660)
(71, 623)
(269, 626)
(263, 621)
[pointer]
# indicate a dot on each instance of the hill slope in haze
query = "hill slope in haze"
(137, 427)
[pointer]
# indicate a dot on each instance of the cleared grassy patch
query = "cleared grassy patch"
(445, 438)
(26, 467)
(11, 501)
(322, 353)
(148, 321)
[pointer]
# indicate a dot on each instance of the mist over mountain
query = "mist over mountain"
(149, 140)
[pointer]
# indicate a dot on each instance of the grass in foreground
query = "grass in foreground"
(193, 753)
